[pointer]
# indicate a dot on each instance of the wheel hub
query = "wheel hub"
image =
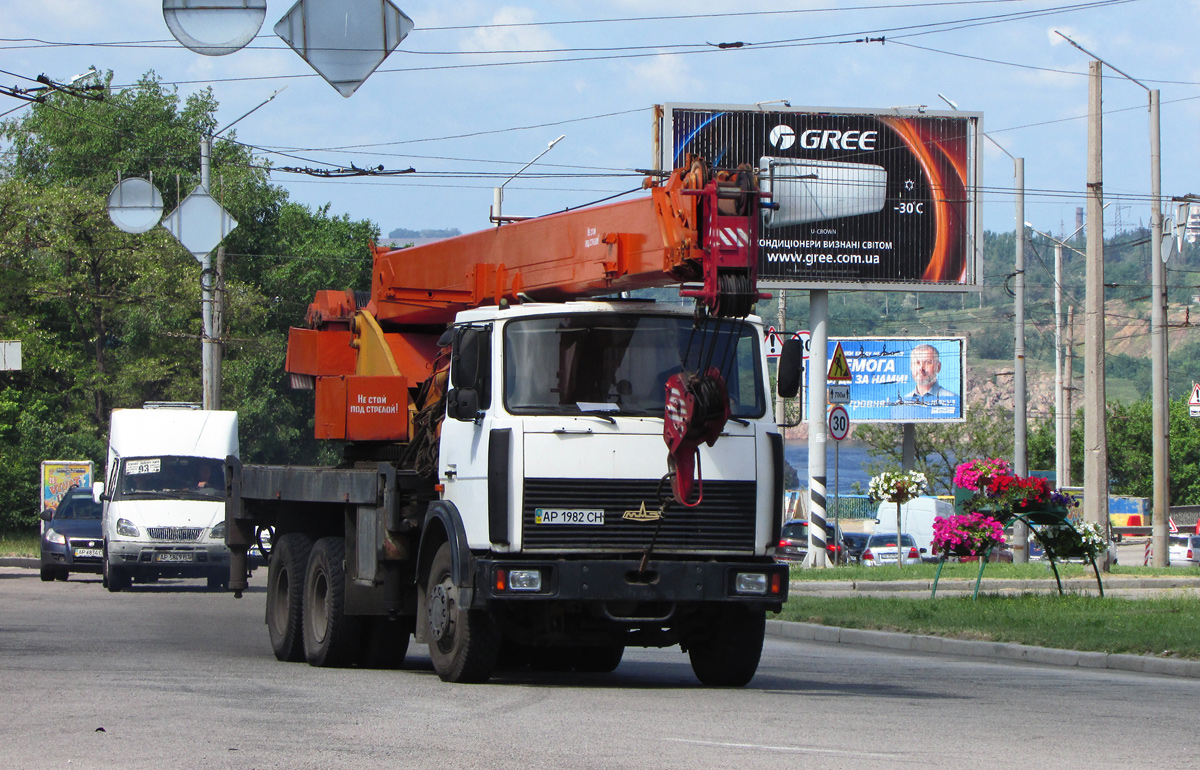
(440, 603)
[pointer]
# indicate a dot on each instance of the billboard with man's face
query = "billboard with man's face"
(881, 199)
(904, 379)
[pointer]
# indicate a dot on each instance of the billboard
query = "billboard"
(60, 475)
(903, 379)
(881, 200)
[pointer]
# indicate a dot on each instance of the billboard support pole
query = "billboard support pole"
(1020, 413)
(908, 447)
(818, 314)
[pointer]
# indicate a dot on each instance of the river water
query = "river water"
(851, 466)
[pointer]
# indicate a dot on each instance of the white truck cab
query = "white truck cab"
(164, 494)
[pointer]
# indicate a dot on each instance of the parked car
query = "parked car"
(854, 543)
(793, 541)
(881, 549)
(1184, 550)
(74, 536)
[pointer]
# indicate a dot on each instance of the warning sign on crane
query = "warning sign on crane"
(839, 369)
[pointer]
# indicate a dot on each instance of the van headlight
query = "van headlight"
(218, 532)
(54, 537)
(125, 528)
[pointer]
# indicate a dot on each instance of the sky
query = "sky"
(479, 89)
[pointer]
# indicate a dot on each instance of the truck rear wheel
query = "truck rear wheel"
(330, 635)
(464, 644)
(285, 595)
(727, 651)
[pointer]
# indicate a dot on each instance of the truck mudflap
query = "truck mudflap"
(750, 582)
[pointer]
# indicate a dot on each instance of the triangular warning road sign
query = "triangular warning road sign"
(839, 370)
(1195, 399)
(1171, 526)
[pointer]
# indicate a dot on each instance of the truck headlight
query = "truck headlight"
(218, 532)
(54, 537)
(125, 528)
(750, 583)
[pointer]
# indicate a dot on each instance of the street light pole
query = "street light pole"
(498, 192)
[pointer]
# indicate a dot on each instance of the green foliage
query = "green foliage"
(939, 447)
(108, 319)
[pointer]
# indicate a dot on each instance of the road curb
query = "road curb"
(1023, 653)
(992, 585)
(20, 561)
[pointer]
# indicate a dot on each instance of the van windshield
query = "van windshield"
(170, 477)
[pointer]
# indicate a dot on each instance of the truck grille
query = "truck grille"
(175, 534)
(723, 523)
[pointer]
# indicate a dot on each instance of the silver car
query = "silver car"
(881, 549)
(1184, 550)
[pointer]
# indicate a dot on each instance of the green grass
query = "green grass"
(20, 544)
(1164, 627)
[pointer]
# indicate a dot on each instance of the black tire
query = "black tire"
(384, 642)
(726, 652)
(464, 644)
(62, 574)
(331, 637)
(47, 574)
(285, 595)
(218, 580)
(118, 578)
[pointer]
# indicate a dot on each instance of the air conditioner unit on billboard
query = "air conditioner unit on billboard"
(819, 190)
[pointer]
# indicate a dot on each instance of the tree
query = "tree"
(940, 447)
(108, 319)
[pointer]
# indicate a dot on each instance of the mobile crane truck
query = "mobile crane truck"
(505, 496)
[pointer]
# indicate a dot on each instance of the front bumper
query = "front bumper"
(622, 581)
(184, 559)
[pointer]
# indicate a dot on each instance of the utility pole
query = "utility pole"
(780, 402)
(1095, 417)
(1020, 413)
(1062, 434)
(208, 384)
(1068, 396)
(1161, 404)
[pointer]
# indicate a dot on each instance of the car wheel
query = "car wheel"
(726, 652)
(62, 574)
(285, 595)
(119, 578)
(464, 644)
(47, 574)
(218, 580)
(330, 635)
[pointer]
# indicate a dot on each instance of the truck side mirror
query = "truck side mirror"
(98, 492)
(791, 368)
(462, 404)
(470, 370)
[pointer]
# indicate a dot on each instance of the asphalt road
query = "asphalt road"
(172, 676)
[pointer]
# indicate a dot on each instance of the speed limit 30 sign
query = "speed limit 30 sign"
(839, 422)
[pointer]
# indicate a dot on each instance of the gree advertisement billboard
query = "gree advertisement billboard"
(903, 379)
(860, 199)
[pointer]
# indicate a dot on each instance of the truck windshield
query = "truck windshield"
(172, 477)
(618, 363)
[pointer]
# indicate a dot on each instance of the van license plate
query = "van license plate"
(173, 557)
(587, 516)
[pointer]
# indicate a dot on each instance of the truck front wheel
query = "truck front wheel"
(285, 595)
(464, 644)
(330, 635)
(726, 652)
(115, 578)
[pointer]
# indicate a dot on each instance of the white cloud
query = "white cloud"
(663, 78)
(503, 38)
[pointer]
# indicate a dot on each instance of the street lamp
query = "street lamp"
(498, 192)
